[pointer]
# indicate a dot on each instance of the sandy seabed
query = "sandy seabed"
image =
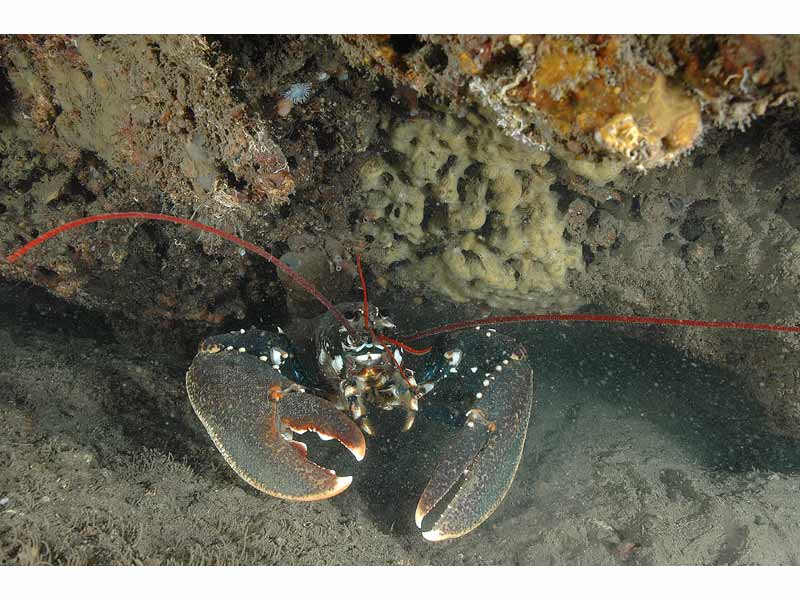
(636, 454)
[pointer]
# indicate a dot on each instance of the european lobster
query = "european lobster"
(253, 390)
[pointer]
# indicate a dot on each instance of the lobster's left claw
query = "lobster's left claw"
(250, 411)
(483, 457)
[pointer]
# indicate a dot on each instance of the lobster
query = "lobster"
(254, 390)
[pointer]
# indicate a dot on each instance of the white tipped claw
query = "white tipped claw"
(359, 452)
(342, 483)
(434, 535)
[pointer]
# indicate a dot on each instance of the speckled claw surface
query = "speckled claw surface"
(250, 408)
(253, 390)
(481, 460)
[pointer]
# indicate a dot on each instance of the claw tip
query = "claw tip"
(342, 483)
(434, 535)
(359, 453)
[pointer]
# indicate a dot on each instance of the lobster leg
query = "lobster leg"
(250, 409)
(480, 462)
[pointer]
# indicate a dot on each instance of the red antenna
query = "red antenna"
(630, 319)
(293, 275)
(383, 339)
(309, 287)
(368, 327)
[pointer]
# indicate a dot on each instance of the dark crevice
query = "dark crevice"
(325, 138)
(636, 209)
(705, 48)
(436, 58)
(6, 98)
(564, 195)
(594, 218)
(588, 255)
(405, 43)
(506, 60)
(445, 168)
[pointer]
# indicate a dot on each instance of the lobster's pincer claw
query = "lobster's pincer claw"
(250, 411)
(482, 459)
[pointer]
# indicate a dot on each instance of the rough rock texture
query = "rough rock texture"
(716, 238)
(197, 125)
(639, 100)
(116, 98)
(93, 124)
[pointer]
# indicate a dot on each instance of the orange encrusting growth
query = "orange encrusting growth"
(570, 84)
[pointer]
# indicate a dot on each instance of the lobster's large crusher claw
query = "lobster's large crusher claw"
(250, 410)
(481, 460)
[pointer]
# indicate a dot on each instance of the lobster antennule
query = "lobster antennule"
(415, 351)
(625, 319)
(296, 277)
(384, 339)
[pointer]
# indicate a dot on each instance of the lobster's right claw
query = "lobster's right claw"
(250, 411)
(481, 460)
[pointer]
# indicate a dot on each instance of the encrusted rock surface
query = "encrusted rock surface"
(641, 101)
(198, 125)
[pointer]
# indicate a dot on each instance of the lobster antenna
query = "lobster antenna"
(406, 347)
(291, 273)
(384, 339)
(629, 319)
